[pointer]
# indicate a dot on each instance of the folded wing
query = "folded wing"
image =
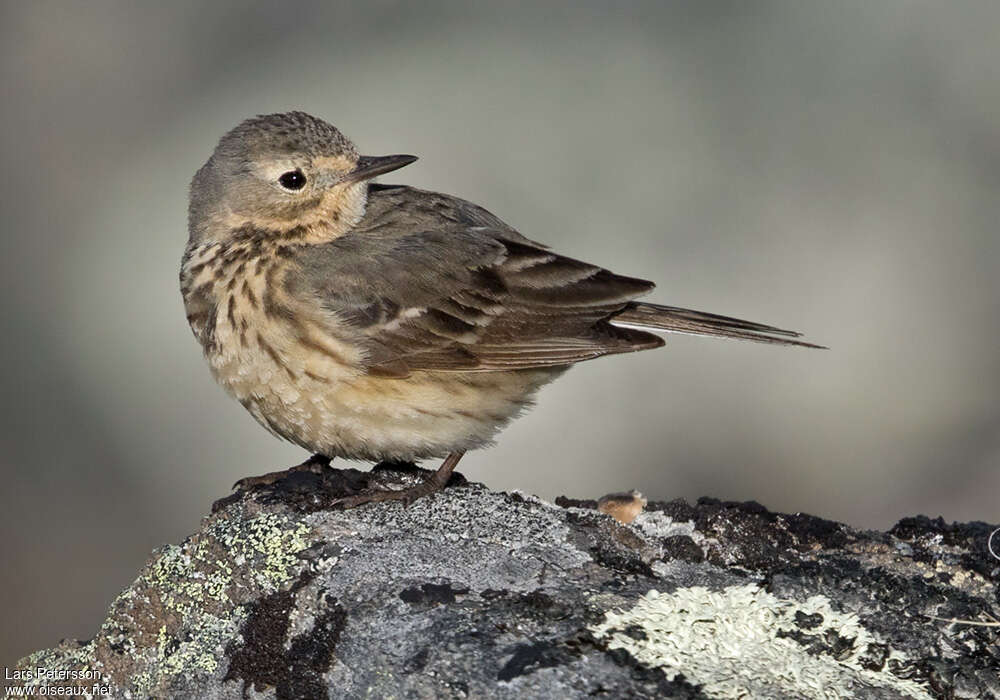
(471, 301)
(431, 282)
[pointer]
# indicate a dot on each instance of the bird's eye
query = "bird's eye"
(293, 180)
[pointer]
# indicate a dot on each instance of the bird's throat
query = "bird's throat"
(339, 211)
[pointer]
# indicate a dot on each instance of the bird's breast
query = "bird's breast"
(258, 340)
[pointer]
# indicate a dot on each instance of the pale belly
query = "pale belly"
(357, 416)
(335, 409)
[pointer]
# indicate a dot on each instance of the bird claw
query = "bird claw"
(316, 464)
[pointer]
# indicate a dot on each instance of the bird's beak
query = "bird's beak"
(372, 166)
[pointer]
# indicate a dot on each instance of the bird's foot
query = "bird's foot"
(316, 464)
(432, 484)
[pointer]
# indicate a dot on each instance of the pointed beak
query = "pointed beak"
(372, 166)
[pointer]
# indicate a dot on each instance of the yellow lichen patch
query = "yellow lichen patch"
(198, 582)
(740, 643)
(188, 575)
(198, 651)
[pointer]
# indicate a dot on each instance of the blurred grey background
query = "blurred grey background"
(828, 167)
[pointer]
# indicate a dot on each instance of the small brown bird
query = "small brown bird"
(383, 322)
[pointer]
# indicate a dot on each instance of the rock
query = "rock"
(475, 593)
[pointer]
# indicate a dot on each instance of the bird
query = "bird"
(384, 322)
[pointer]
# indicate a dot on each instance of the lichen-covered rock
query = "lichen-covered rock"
(473, 593)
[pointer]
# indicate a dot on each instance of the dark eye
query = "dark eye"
(293, 180)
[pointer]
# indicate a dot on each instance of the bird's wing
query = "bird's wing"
(469, 299)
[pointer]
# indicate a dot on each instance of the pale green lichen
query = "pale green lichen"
(142, 684)
(201, 648)
(280, 547)
(729, 642)
(196, 655)
(188, 575)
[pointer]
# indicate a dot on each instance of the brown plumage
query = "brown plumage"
(386, 322)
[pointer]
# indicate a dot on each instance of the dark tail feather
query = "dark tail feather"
(653, 317)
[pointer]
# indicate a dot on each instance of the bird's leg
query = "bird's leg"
(315, 464)
(433, 483)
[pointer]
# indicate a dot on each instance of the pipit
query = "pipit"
(384, 322)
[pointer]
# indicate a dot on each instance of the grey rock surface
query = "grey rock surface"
(475, 593)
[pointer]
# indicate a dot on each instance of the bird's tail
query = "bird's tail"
(653, 317)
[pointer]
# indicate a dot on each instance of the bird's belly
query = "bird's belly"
(336, 409)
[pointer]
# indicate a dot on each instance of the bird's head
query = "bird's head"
(283, 173)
